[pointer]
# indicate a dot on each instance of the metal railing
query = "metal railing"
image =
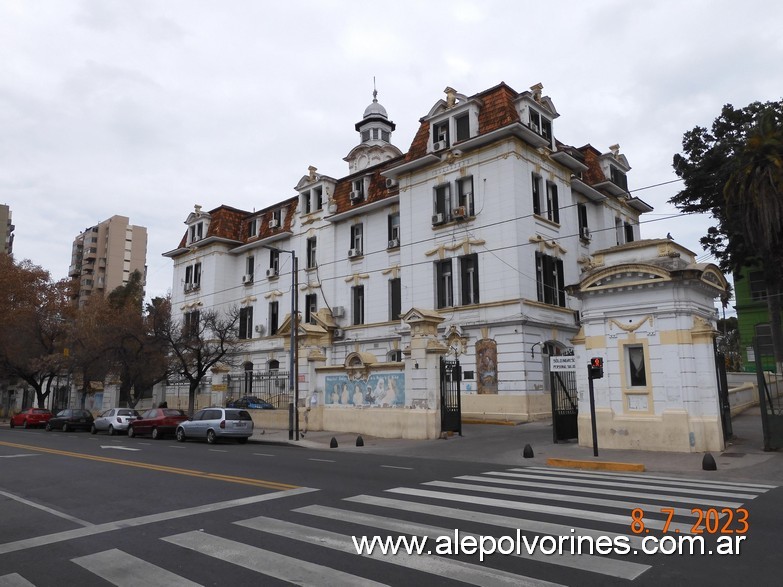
(270, 386)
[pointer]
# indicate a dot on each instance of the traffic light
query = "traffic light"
(596, 368)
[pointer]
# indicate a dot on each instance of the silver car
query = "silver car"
(114, 420)
(214, 423)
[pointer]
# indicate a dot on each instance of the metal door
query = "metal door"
(565, 405)
(450, 401)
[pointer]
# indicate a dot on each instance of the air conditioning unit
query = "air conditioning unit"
(260, 329)
(356, 196)
(271, 272)
(354, 253)
(247, 279)
(394, 243)
(273, 223)
(391, 183)
(338, 311)
(439, 145)
(338, 334)
(437, 218)
(459, 212)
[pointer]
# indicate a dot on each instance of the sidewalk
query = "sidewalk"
(743, 458)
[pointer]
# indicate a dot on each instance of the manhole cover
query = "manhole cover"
(733, 454)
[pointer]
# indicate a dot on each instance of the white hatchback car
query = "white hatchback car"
(114, 420)
(214, 423)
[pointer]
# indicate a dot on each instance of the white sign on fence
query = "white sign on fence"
(562, 363)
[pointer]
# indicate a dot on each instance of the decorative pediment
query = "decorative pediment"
(456, 341)
(357, 365)
(465, 244)
(713, 276)
(621, 276)
(547, 244)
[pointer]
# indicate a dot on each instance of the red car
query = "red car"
(157, 422)
(31, 417)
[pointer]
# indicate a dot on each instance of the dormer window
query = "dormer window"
(440, 135)
(252, 228)
(357, 190)
(196, 232)
(541, 124)
(618, 177)
(462, 124)
(276, 220)
(311, 200)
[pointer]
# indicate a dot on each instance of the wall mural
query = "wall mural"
(379, 390)
(487, 366)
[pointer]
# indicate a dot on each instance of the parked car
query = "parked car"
(157, 422)
(71, 419)
(114, 420)
(31, 417)
(250, 402)
(215, 423)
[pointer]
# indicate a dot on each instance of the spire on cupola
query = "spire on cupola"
(375, 130)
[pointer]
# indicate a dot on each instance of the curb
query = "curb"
(494, 422)
(595, 465)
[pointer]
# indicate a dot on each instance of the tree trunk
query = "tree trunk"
(192, 397)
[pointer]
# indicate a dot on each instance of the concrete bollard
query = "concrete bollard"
(333, 443)
(708, 463)
(527, 452)
(359, 440)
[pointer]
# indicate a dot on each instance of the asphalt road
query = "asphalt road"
(79, 509)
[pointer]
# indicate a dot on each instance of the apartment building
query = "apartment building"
(6, 230)
(104, 256)
(467, 239)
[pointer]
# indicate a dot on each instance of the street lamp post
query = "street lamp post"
(293, 375)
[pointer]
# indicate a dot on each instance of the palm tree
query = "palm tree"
(754, 201)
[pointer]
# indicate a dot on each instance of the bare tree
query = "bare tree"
(199, 342)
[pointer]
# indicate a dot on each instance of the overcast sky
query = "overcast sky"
(144, 108)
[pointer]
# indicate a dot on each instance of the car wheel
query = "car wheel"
(156, 434)
(180, 435)
(211, 438)
(66, 428)
(24, 424)
(93, 429)
(131, 433)
(48, 427)
(242, 440)
(112, 431)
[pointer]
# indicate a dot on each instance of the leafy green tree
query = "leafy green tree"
(734, 171)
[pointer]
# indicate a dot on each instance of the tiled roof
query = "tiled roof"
(376, 190)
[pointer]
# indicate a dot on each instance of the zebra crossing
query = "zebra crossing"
(531, 501)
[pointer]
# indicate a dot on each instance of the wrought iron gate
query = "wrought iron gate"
(723, 395)
(770, 393)
(565, 405)
(450, 402)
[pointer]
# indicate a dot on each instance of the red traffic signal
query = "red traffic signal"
(596, 368)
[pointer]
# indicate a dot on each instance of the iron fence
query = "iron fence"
(271, 386)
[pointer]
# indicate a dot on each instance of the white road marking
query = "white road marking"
(125, 570)
(45, 509)
(121, 448)
(143, 520)
(273, 564)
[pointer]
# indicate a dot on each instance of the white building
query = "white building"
(480, 226)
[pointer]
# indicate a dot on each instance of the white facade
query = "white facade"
(484, 221)
(649, 313)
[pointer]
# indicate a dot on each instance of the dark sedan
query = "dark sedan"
(31, 417)
(157, 422)
(67, 420)
(250, 402)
